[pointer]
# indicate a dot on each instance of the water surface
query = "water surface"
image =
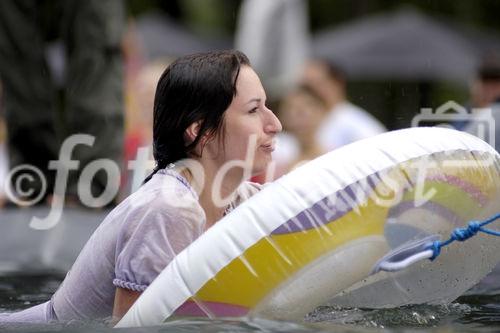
(472, 313)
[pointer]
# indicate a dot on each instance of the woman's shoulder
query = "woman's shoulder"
(165, 195)
(164, 205)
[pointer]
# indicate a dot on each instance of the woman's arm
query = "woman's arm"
(124, 298)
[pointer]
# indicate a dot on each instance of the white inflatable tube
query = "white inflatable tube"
(320, 231)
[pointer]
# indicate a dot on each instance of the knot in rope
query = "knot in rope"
(436, 250)
(462, 234)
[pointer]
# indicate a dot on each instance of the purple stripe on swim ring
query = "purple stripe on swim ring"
(341, 202)
(329, 208)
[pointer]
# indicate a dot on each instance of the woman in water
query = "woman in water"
(211, 132)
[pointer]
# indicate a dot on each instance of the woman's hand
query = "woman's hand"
(124, 298)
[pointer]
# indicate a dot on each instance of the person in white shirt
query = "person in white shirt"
(485, 94)
(346, 122)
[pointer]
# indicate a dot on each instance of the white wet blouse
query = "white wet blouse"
(129, 249)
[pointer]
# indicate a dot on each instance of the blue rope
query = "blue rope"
(462, 234)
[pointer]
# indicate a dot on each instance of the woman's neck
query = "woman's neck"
(218, 191)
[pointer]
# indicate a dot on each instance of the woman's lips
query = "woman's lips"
(268, 147)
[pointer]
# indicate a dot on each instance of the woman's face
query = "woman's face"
(249, 126)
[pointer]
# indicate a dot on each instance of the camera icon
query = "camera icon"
(480, 122)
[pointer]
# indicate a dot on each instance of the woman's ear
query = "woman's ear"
(192, 131)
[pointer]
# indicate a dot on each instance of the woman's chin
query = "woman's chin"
(261, 167)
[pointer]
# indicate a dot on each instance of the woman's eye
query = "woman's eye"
(255, 109)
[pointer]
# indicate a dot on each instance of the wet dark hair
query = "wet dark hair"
(198, 87)
(489, 69)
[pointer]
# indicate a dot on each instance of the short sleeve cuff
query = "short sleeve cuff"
(129, 285)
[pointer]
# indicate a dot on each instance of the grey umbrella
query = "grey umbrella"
(162, 37)
(401, 45)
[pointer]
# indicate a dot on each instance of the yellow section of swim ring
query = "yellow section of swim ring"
(270, 261)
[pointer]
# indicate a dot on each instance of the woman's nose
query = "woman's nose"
(273, 124)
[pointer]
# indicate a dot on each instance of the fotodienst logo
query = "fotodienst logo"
(479, 122)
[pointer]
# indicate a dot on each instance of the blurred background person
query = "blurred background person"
(485, 89)
(139, 97)
(345, 122)
(301, 113)
(486, 95)
(61, 65)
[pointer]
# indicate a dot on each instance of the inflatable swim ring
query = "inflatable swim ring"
(321, 233)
